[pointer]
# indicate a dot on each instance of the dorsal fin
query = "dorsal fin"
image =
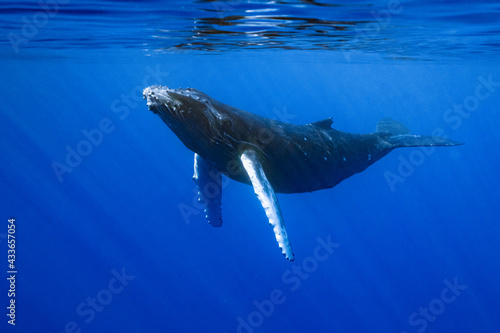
(391, 126)
(324, 124)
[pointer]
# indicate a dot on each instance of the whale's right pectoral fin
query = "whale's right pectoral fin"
(268, 199)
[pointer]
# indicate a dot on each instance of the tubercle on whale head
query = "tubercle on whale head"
(188, 92)
(158, 97)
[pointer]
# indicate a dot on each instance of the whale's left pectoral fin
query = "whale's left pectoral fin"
(209, 183)
(268, 199)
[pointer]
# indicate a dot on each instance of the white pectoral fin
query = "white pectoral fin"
(268, 199)
(209, 183)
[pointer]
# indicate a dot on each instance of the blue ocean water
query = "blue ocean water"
(109, 236)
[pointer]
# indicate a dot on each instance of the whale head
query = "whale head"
(176, 105)
(191, 115)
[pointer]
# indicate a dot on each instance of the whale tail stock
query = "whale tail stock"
(401, 136)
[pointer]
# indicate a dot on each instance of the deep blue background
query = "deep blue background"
(118, 212)
(119, 209)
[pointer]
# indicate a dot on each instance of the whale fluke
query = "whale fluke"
(402, 137)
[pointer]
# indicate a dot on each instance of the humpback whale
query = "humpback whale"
(272, 156)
